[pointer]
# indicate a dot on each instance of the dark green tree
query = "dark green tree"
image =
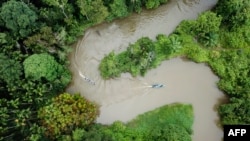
(134, 5)
(18, 17)
(235, 13)
(10, 70)
(63, 5)
(57, 13)
(235, 112)
(43, 41)
(3, 38)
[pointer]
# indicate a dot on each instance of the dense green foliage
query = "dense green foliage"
(35, 39)
(233, 68)
(168, 123)
(154, 3)
(39, 66)
(146, 54)
(235, 13)
(219, 38)
(94, 11)
(10, 70)
(140, 56)
(118, 9)
(18, 17)
(137, 59)
(229, 59)
(65, 113)
(206, 29)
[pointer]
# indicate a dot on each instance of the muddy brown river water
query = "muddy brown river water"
(126, 97)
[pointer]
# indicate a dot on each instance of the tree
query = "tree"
(206, 28)
(168, 45)
(3, 38)
(207, 22)
(134, 5)
(142, 56)
(235, 13)
(18, 17)
(171, 132)
(173, 45)
(78, 134)
(19, 122)
(63, 5)
(238, 38)
(94, 11)
(109, 66)
(48, 41)
(137, 59)
(152, 4)
(235, 112)
(117, 9)
(42, 41)
(57, 13)
(38, 66)
(66, 113)
(10, 70)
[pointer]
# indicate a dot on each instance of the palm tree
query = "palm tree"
(175, 43)
(209, 40)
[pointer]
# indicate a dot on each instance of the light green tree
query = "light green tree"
(207, 22)
(109, 66)
(94, 11)
(206, 28)
(152, 4)
(117, 9)
(39, 66)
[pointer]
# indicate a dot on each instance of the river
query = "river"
(126, 97)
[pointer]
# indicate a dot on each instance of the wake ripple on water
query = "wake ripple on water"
(187, 5)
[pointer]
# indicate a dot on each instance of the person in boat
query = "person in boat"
(157, 85)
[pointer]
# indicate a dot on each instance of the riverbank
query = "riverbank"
(186, 82)
(124, 91)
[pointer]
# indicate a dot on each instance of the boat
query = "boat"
(157, 86)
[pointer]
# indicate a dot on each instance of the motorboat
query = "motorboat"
(157, 85)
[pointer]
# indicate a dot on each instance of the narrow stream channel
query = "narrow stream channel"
(126, 97)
